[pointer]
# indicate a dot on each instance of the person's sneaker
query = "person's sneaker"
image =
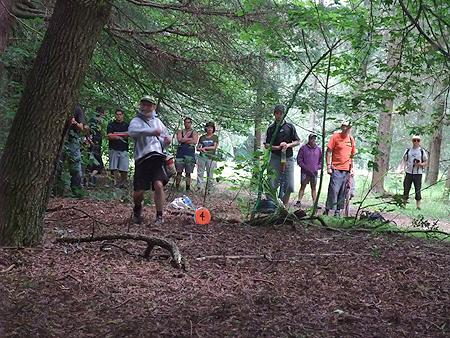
(159, 220)
(137, 217)
(298, 204)
(418, 208)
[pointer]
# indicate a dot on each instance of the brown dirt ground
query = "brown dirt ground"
(300, 280)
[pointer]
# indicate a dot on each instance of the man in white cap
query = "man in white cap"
(150, 137)
(339, 159)
(415, 158)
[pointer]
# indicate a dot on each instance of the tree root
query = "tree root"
(177, 260)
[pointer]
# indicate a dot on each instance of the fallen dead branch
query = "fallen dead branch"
(151, 242)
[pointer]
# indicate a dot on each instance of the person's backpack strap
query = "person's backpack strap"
(407, 152)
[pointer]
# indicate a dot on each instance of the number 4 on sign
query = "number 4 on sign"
(202, 216)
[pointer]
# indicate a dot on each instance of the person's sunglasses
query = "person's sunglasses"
(416, 140)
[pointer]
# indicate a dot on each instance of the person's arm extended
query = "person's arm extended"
(139, 128)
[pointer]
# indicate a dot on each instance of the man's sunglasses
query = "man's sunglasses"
(415, 140)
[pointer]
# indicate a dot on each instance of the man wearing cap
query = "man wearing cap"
(284, 140)
(309, 158)
(339, 159)
(150, 137)
(415, 158)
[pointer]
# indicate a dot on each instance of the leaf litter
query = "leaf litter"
(300, 280)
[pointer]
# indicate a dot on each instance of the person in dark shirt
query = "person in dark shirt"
(94, 135)
(285, 139)
(119, 160)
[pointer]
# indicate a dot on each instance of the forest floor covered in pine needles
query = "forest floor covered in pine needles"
(285, 280)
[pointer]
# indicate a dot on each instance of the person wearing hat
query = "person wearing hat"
(283, 141)
(339, 159)
(207, 145)
(414, 158)
(309, 158)
(150, 137)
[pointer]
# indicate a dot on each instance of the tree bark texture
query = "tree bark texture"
(384, 149)
(384, 127)
(37, 133)
(435, 145)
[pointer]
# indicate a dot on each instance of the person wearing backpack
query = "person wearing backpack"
(185, 158)
(414, 159)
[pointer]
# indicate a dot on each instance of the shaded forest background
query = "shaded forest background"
(382, 65)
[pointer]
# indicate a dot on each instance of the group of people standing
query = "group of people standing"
(339, 159)
(185, 160)
(281, 138)
(151, 137)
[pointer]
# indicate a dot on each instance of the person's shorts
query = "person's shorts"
(95, 166)
(186, 163)
(308, 179)
(149, 171)
(118, 160)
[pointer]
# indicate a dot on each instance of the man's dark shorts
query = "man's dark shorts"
(149, 171)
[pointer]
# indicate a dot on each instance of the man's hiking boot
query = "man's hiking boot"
(137, 211)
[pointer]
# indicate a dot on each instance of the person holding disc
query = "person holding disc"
(119, 160)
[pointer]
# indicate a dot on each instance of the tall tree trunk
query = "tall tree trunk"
(34, 142)
(381, 160)
(435, 144)
(384, 149)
